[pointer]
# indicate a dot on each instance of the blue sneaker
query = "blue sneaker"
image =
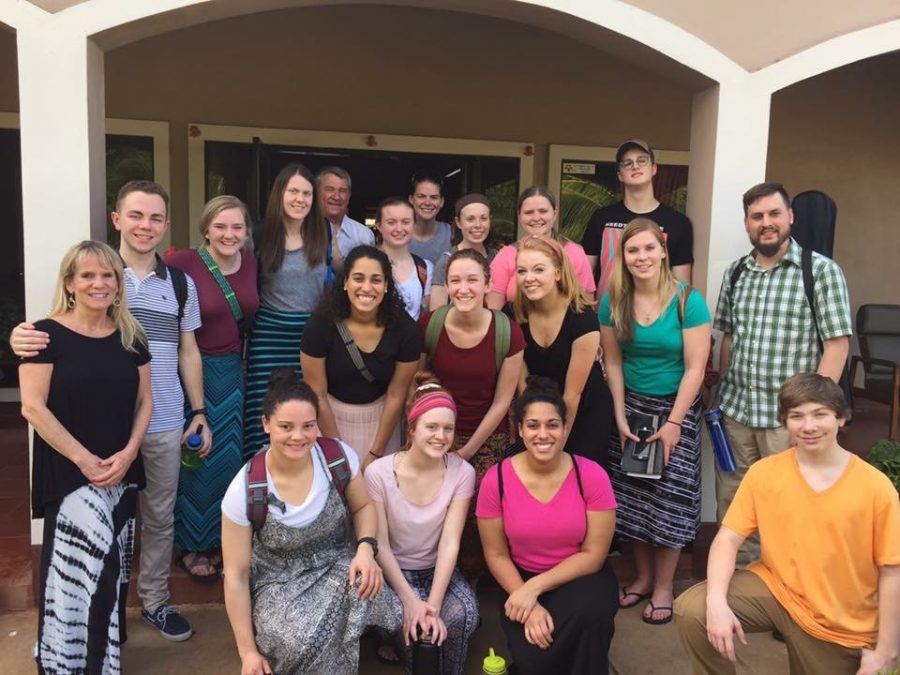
(170, 623)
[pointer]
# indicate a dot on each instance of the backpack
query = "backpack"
(180, 287)
(502, 333)
(421, 272)
(258, 487)
(806, 267)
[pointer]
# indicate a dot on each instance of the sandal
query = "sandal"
(625, 593)
(192, 565)
(657, 622)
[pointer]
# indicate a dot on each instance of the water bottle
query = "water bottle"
(190, 451)
(426, 656)
(721, 444)
(493, 664)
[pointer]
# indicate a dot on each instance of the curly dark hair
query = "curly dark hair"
(335, 303)
(538, 389)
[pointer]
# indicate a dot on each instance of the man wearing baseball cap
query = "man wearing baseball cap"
(636, 167)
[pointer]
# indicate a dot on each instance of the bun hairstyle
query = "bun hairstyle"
(428, 394)
(569, 287)
(285, 384)
(539, 390)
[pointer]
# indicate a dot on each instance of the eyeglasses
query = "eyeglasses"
(642, 160)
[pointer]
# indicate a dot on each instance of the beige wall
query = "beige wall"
(390, 70)
(838, 133)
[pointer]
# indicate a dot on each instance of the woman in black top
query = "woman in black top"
(88, 397)
(562, 337)
(362, 378)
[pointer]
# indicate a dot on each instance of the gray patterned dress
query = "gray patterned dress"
(307, 618)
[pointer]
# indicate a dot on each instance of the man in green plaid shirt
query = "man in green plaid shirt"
(770, 333)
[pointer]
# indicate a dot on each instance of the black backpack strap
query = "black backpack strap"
(257, 490)
(338, 466)
(180, 286)
(809, 288)
(578, 479)
(500, 482)
(735, 275)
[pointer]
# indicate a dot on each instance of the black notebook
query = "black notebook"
(642, 459)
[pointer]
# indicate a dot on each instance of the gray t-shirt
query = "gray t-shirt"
(296, 287)
(432, 249)
(439, 278)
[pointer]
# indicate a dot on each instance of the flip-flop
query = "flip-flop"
(625, 593)
(198, 561)
(657, 622)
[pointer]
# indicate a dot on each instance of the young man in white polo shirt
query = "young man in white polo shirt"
(141, 216)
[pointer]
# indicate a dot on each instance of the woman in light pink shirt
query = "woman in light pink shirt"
(546, 520)
(422, 497)
(537, 217)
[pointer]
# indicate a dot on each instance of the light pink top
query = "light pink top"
(542, 535)
(415, 530)
(503, 269)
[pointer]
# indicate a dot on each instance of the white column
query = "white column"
(729, 144)
(61, 113)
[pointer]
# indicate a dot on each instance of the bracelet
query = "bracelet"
(375, 454)
(199, 411)
(677, 424)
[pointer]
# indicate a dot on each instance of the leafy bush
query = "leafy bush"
(885, 456)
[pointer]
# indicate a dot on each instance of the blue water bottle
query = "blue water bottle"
(721, 444)
(190, 451)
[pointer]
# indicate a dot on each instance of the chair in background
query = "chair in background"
(878, 333)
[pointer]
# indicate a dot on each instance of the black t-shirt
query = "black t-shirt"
(93, 391)
(553, 361)
(400, 343)
(605, 227)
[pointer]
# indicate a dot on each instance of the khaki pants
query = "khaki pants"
(759, 612)
(161, 451)
(749, 445)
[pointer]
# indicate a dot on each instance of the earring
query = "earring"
(70, 303)
(117, 301)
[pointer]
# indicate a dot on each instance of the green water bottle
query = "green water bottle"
(493, 664)
(190, 451)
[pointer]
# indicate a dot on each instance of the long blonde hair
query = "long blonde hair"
(571, 291)
(621, 284)
(215, 206)
(130, 331)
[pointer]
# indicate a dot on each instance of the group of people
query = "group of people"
(386, 416)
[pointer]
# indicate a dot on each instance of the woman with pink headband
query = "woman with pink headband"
(422, 495)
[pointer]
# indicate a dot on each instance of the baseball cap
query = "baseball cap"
(634, 144)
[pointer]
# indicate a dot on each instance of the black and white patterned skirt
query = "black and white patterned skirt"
(85, 568)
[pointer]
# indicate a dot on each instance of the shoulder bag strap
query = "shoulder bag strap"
(353, 350)
(806, 266)
(337, 464)
(213, 268)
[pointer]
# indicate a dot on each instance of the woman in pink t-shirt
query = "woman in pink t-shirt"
(422, 496)
(546, 520)
(537, 217)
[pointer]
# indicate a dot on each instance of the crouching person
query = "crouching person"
(829, 574)
(299, 587)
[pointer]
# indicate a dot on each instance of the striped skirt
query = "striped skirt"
(274, 343)
(357, 425)
(85, 569)
(664, 512)
(198, 509)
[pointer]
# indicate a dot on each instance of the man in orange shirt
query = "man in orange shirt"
(828, 577)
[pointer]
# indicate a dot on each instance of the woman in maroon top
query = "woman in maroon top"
(221, 264)
(464, 357)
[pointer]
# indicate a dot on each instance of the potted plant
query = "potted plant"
(885, 456)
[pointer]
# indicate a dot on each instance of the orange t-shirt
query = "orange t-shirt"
(820, 552)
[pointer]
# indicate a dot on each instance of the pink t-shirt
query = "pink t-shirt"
(415, 530)
(542, 535)
(503, 269)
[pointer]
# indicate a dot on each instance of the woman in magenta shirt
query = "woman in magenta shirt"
(546, 520)
(422, 495)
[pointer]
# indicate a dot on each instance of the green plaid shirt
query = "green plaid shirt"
(773, 334)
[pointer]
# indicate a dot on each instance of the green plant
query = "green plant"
(884, 455)
(11, 313)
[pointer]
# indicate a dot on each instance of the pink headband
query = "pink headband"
(423, 404)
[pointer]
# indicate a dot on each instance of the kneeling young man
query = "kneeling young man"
(829, 574)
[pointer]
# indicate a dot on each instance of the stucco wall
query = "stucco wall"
(391, 70)
(838, 133)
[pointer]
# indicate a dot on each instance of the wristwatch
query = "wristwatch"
(371, 541)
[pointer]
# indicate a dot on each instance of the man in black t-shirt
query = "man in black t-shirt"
(636, 169)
